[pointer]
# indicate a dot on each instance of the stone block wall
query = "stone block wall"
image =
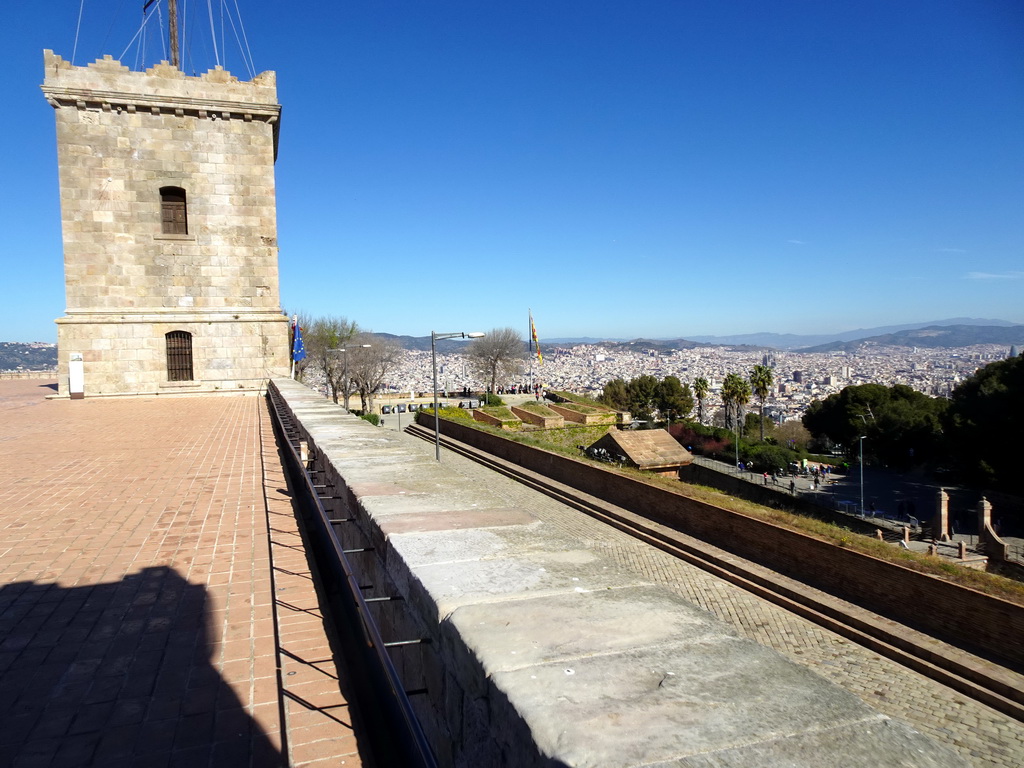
(129, 356)
(121, 137)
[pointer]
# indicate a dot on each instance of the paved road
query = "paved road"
(985, 737)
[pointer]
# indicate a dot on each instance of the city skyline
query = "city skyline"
(649, 169)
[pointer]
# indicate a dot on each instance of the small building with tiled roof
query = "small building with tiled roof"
(652, 450)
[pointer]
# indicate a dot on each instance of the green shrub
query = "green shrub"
(373, 418)
(453, 413)
(493, 400)
(770, 458)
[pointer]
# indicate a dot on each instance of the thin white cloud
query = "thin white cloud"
(950, 250)
(995, 275)
(796, 242)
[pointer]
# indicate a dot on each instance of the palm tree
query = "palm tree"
(730, 396)
(761, 380)
(700, 391)
(742, 397)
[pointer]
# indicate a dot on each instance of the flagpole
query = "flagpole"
(295, 324)
(529, 335)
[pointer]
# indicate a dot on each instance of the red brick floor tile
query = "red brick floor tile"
(137, 577)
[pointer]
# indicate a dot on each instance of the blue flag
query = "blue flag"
(298, 350)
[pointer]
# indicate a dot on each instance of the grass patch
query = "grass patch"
(502, 412)
(540, 410)
(584, 409)
(572, 397)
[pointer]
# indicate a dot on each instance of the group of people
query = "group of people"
(517, 389)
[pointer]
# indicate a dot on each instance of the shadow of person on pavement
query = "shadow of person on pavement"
(118, 674)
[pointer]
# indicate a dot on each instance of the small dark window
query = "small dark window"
(179, 356)
(173, 211)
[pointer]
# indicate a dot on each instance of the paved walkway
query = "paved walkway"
(983, 736)
(156, 606)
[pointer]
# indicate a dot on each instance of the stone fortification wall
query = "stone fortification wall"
(966, 617)
(541, 652)
(122, 136)
(163, 86)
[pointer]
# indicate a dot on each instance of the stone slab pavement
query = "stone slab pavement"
(981, 735)
(156, 605)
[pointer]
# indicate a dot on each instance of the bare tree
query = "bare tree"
(497, 354)
(322, 336)
(369, 366)
(792, 434)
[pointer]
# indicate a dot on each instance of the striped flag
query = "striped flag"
(533, 337)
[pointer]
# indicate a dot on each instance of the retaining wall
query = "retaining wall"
(971, 619)
(528, 650)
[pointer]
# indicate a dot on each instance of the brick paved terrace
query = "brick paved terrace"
(154, 591)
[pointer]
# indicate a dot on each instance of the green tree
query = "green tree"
(742, 398)
(700, 391)
(615, 395)
(642, 392)
(735, 395)
(673, 398)
(901, 426)
(728, 394)
(761, 381)
(756, 423)
(984, 420)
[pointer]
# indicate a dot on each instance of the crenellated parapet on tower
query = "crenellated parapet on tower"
(169, 224)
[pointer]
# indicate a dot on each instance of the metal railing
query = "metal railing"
(381, 695)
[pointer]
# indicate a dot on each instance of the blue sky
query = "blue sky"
(624, 168)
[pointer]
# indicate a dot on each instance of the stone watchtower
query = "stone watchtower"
(170, 229)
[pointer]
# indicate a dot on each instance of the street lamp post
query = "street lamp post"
(861, 438)
(344, 351)
(434, 336)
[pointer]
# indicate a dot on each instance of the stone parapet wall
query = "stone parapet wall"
(108, 81)
(590, 419)
(972, 619)
(494, 421)
(545, 422)
(44, 374)
(541, 652)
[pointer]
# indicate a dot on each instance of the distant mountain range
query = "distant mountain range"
(933, 336)
(15, 356)
(954, 332)
(795, 341)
